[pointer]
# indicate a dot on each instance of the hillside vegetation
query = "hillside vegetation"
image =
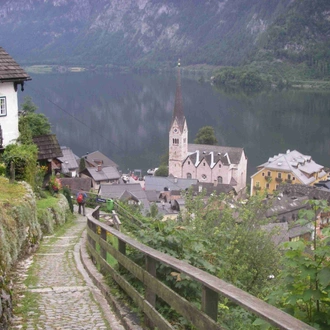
(299, 38)
(285, 38)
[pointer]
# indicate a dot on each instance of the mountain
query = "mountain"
(155, 33)
(299, 37)
(140, 32)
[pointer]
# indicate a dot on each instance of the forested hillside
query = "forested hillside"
(135, 32)
(155, 33)
(300, 37)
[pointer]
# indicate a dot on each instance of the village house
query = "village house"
(101, 175)
(206, 163)
(130, 193)
(11, 76)
(99, 168)
(49, 152)
(291, 167)
(97, 158)
(69, 162)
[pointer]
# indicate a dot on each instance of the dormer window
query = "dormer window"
(3, 106)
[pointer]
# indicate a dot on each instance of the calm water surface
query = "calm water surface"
(127, 117)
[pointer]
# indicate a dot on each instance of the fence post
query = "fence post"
(210, 302)
(150, 296)
(12, 172)
(121, 249)
(103, 252)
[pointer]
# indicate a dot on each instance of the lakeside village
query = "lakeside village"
(205, 169)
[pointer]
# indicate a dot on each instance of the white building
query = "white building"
(11, 75)
(206, 163)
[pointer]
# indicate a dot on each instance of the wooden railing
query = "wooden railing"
(212, 287)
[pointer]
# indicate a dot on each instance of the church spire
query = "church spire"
(178, 105)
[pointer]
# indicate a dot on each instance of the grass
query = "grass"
(11, 193)
(28, 308)
(46, 203)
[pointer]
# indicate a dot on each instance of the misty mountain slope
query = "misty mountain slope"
(135, 32)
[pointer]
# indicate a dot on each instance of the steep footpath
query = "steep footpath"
(62, 294)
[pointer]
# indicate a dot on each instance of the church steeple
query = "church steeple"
(178, 114)
(178, 134)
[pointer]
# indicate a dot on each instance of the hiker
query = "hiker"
(81, 200)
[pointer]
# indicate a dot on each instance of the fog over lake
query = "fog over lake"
(127, 116)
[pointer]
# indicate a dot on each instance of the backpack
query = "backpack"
(80, 198)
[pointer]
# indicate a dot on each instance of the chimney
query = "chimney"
(99, 168)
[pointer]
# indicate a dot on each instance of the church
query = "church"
(206, 163)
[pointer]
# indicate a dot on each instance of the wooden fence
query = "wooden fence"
(212, 287)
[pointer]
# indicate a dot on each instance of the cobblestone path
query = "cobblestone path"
(61, 294)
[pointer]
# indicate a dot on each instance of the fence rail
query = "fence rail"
(212, 287)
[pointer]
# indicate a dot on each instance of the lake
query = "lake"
(127, 116)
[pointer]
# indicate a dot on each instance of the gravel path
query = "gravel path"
(65, 297)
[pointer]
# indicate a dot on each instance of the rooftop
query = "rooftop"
(10, 70)
(301, 166)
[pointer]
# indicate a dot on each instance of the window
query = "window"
(289, 176)
(257, 184)
(3, 107)
(293, 178)
(204, 177)
(263, 174)
(219, 179)
(188, 162)
(175, 141)
(269, 173)
(276, 186)
(267, 185)
(219, 165)
(188, 175)
(279, 175)
(204, 164)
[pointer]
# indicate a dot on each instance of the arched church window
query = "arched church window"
(188, 175)
(219, 179)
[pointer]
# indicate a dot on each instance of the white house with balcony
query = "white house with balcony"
(11, 77)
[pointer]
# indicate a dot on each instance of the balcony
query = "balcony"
(288, 181)
(268, 178)
(256, 187)
(279, 180)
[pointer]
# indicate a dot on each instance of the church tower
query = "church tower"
(178, 134)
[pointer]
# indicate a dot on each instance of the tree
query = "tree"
(162, 171)
(24, 157)
(37, 122)
(242, 250)
(28, 106)
(206, 135)
(32, 124)
(304, 281)
(218, 237)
